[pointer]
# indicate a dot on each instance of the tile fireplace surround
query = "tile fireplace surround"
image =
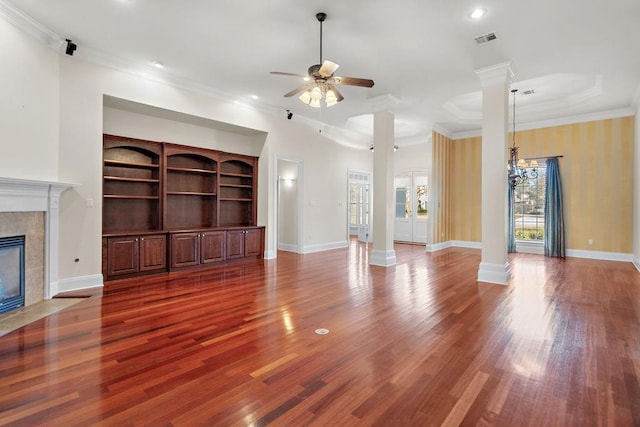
(30, 208)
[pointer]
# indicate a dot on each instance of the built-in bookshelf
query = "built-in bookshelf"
(159, 195)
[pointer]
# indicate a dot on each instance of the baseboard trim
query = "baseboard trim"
(636, 262)
(287, 247)
(606, 256)
(438, 246)
(465, 244)
(270, 255)
(309, 249)
(77, 283)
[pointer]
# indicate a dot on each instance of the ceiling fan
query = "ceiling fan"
(320, 81)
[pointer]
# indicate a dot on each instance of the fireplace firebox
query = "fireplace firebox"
(11, 273)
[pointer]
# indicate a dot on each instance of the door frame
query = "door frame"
(276, 185)
(369, 174)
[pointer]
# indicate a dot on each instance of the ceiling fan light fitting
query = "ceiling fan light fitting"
(331, 98)
(316, 93)
(315, 103)
(305, 97)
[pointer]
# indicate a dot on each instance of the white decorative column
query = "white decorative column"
(383, 253)
(495, 81)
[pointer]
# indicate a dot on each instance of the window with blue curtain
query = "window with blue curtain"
(553, 212)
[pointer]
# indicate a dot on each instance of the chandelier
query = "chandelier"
(518, 167)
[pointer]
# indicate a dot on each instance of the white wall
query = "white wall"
(413, 157)
(28, 106)
(288, 205)
(142, 126)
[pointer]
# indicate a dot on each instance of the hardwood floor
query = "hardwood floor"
(421, 343)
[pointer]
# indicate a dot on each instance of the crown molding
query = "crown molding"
(443, 131)
(561, 121)
(30, 26)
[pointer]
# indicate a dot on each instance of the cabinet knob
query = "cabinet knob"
(142, 238)
(136, 239)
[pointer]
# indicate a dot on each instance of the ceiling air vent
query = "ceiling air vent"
(528, 92)
(485, 39)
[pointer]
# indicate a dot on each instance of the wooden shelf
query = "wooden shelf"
(237, 185)
(191, 170)
(241, 175)
(130, 164)
(121, 178)
(235, 199)
(189, 193)
(126, 196)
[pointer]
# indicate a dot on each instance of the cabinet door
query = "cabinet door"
(253, 242)
(185, 249)
(122, 256)
(235, 244)
(212, 246)
(153, 252)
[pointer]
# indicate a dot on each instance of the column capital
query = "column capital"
(384, 102)
(495, 74)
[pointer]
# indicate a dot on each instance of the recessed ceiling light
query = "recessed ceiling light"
(253, 96)
(158, 64)
(478, 13)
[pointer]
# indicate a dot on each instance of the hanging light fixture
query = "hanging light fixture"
(320, 91)
(518, 167)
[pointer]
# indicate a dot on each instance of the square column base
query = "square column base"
(498, 274)
(382, 258)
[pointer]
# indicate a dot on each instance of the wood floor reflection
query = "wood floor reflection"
(421, 343)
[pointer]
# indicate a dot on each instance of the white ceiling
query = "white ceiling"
(579, 56)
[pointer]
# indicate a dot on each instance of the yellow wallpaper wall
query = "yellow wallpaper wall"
(596, 173)
(441, 146)
(466, 189)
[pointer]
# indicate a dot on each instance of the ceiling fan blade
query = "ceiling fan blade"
(338, 94)
(281, 73)
(304, 86)
(328, 68)
(352, 81)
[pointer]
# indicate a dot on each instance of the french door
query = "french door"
(359, 206)
(411, 216)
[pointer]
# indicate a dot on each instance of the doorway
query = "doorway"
(289, 207)
(411, 213)
(360, 206)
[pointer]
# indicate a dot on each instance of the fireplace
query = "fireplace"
(11, 273)
(31, 208)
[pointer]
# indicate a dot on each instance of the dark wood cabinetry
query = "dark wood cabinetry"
(132, 254)
(245, 243)
(191, 248)
(163, 201)
(212, 247)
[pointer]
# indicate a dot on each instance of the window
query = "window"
(529, 207)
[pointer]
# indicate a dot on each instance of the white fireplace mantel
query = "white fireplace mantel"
(24, 195)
